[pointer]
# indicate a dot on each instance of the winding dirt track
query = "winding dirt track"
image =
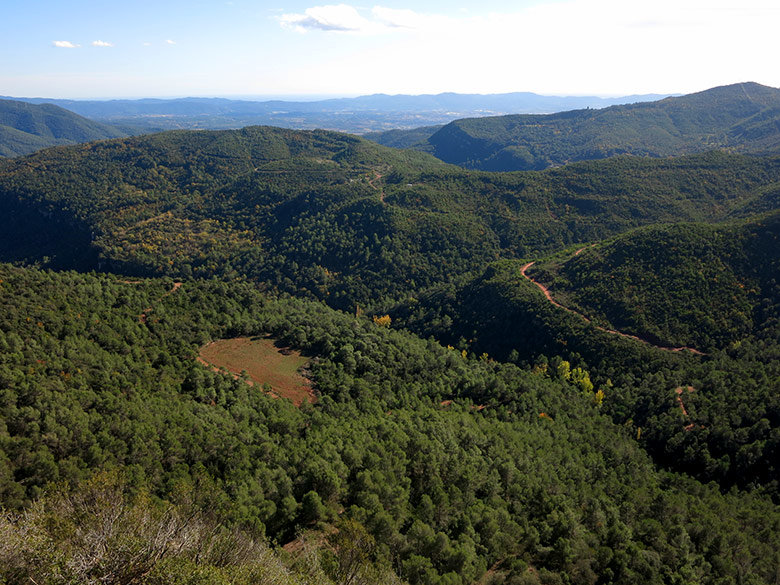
(142, 318)
(550, 298)
(377, 176)
(679, 392)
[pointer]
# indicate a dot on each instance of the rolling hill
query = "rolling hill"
(623, 309)
(25, 128)
(403, 138)
(742, 118)
(683, 284)
(512, 439)
(518, 454)
(335, 216)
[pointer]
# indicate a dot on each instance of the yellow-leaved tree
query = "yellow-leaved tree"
(383, 321)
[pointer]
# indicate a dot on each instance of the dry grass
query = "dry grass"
(265, 363)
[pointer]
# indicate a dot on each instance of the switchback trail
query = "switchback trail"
(550, 298)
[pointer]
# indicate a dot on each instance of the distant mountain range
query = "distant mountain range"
(356, 115)
(743, 117)
(25, 128)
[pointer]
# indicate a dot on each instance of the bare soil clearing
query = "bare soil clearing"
(264, 363)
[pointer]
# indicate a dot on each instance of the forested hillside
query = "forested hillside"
(404, 138)
(714, 413)
(25, 128)
(536, 483)
(334, 216)
(683, 284)
(741, 118)
(522, 437)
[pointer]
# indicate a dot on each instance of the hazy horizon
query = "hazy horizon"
(174, 48)
(321, 97)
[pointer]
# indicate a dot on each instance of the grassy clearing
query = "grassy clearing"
(264, 362)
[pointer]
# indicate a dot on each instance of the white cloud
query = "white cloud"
(569, 46)
(65, 44)
(102, 44)
(338, 17)
(347, 19)
(398, 18)
(170, 42)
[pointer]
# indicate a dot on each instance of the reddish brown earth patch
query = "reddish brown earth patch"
(581, 250)
(264, 363)
(679, 392)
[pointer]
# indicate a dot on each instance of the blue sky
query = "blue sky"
(164, 48)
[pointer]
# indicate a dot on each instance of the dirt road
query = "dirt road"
(550, 298)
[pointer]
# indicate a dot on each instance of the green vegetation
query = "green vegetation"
(536, 481)
(683, 284)
(99, 534)
(741, 117)
(539, 447)
(410, 138)
(688, 284)
(336, 217)
(25, 128)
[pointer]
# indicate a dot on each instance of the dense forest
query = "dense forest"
(336, 217)
(535, 483)
(465, 425)
(680, 284)
(715, 413)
